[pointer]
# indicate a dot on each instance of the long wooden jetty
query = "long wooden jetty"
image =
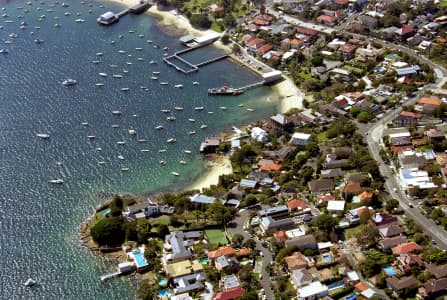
(109, 18)
(109, 276)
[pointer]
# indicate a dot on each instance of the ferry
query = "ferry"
(171, 140)
(198, 108)
(54, 181)
(43, 135)
(225, 90)
(69, 82)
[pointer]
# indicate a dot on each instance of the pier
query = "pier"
(109, 18)
(108, 276)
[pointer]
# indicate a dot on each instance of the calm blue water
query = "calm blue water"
(39, 221)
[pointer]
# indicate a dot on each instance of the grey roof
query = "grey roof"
(273, 210)
(222, 261)
(230, 281)
(188, 283)
(176, 240)
(193, 234)
(402, 283)
(277, 224)
(331, 173)
(438, 270)
(388, 243)
(307, 241)
(408, 71)
(321, 185)
(203, 199)
(248, 183)
(132, 209)
(391, 230)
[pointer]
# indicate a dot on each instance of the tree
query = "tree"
(236, 49)
(250, 243)
(363, 117)
(225, 40)
(163, 230)
(391, 205)
(147, 291)
(108, 231)
(237, 239)
(200, 21)
(228, 20)
(218, 212)
(116, 206)
(326, 222)
(143, 229)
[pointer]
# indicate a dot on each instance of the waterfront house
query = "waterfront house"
(210, 145)
(189, 282)
(254, 44)
(258, 134)
(281, 121)
(146, 209)
(183, 268)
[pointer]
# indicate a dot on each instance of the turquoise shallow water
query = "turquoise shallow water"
(39, 221)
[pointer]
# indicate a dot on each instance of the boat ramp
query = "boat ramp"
(109, 17)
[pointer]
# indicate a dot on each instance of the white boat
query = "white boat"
(141, 35)
(203, 126)
(132, 131)
(131, 31)
(198, 108)
(191, 132)
(103, 74)
(162, 151)
(30, 282)
(175, 173)
(116, 112)
(124, 169)
(114, 66)
(128, 63)
(166, 48)
(138, 49)
(149, 41)
(170, 118)
(84, 124)
(165, 111)
(144, 150)
(125, 71)
(191, 120)
(115, 126)
(120, 157)
(154, 77)
(95, 61)
(98, 149)
(223, 107)
(178, 86)
(152, 62)
(142, 140)
(121, 51)
(164, 83)
(43, 135)
(79, 20)
(56, 181)
(3, 51)
(159, 127)
(196, 83)
(211, 112)
(99, 54)
(91, 137)
(178, 108)
(250, 109)
(121, 142)
(187, 151)
(101, 162)
(38, 41)
(125, 89)
(241, 105)
(117, 76)
(182, 162)
(69, 82)
(99, 84)
(171, 140)
(140, 58)
(156, 72)
(162, 162)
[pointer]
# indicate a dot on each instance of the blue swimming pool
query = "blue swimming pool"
(139, 259)
(163, 292)
(163, 282)
(106, 211)
(326, 258)
(389, 271)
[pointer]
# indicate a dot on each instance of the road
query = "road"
(267, 256)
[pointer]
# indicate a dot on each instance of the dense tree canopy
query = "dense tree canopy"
(109, 231)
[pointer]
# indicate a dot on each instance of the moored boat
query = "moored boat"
(56, 181)
(69, 82)
(43, 135)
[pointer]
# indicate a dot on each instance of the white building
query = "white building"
(414, 177)
(300, 139)
(315, 290)
(259, 135)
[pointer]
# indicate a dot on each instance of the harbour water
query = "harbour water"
(39, 220)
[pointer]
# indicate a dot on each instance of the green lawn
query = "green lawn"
(161, 220)
(354, 70)
(443, 3)
(353, 232)
(216, 236)
(321, 137)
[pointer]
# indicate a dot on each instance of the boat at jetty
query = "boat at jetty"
(225, 90)
(43, 135)
(69, 82)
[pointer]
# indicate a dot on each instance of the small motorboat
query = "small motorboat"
(178, 108)
(30, 282)
(121, 142)
(199, 108)
(56, 181)
(43, 135)
(171, 140)
(91, 137)
(132, 131)
(120, 157)
(175, 173)
(178, 86)
(162, 151)
(187, 151)
(69, 82)
(170, 118)
(162, 162)
(196, 83)
(182, 162)
(203, 126)
(165, 111)
(159, 127)
(103, 74)
(191, 120)
(116, 112)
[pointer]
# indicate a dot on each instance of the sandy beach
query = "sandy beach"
(215, 167)
(290, 95)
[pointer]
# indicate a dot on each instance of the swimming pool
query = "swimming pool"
(326, 258)
(163, 292)
(204, 260)
(389, 271)
(163, 282)
(106, 211)
(139, 259)
(336, 285)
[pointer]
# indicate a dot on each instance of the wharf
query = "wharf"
(109, 18)
(109, 276)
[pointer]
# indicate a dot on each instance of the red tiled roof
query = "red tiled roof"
(361, 286)
(352, 188)
(254, 42)
(342, 2)
(265, 48)
(365, 195)
(406, 248)
(430, 101)
(243, 252)
(224, 250)
(347, 48)
(307, 31)
(295, 203)
(229, 295)
(326, 18)
(411, 114)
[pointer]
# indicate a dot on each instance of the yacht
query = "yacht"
(198, 108)
(121, 142)
(103, 74)
(187, 151)
(132, 131)
(91, 137)
(124, 169)
(159, 127)
(99, 54)
(196, 83)
(162, 162)
(178, 108)
(116, 112)
(43, 135)
(117, 76)
(120, 157)
(170, 118)
(182, 162)
(163, 83)
(175, 173)
(166, 111)
(99, 84)
(162, 151)
(191, 120)
(171, 140)
(30, 282)
(178, 86)
(191, 132)
(125, 89)
(154, 77)
(56, 181)
(203, 126)
(69, 82)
